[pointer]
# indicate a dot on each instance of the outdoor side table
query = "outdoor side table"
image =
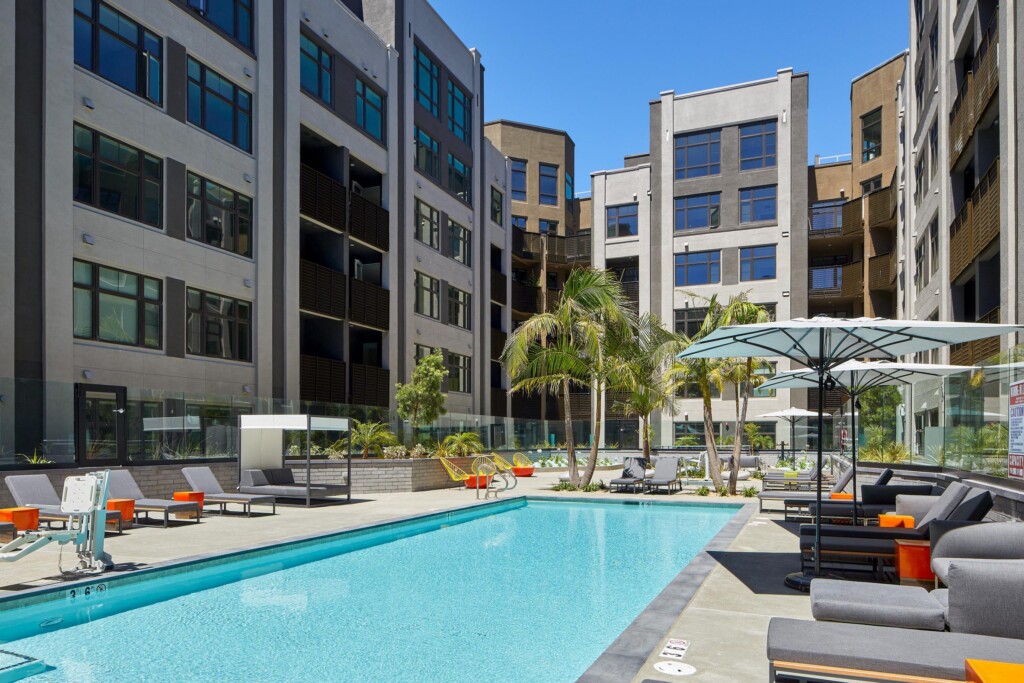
(914, 562)
(125, 506)
(23, 519)
(192, 497)
(981, 671)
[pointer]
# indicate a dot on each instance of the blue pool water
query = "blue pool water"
(516, 592)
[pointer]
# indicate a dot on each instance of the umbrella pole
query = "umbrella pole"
(853, 445)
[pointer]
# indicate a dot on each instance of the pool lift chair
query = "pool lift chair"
(85, 502)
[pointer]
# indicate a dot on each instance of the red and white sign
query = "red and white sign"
(1015, 463)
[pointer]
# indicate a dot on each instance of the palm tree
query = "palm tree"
(372, 436)
(462, 444)
(563, 348)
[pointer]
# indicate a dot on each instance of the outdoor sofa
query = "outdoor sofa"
(633, 469)
(36, 491)
(122, 485)
(202, 479)
(666, 475)
(279, 482)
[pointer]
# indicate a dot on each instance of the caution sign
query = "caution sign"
(1015, 465)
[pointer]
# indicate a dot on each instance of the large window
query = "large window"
(920, 272)
(520, 222)
(218, 326)
(757, 263)
(698, 268)
(233, 17)
(369, 110)
(933, 243)
(458, 308)
(548, 227)
(426, 78)
(519, 180)
(549, 184)
(698, 211)
(116, 177)
(698, 154)
(827, 214)
(871, 135)
(118, 49)
(871, 185)
(568, 187)
(459, 242)
(459, 116)
(497, 206)
(428, 296)
(314, 69)
(218, 106)
(621, 220)
(460, 181)
(428, 225)
(757, 204)
(115, 306)
(688, 321)
(757, 145)
(219, 216)
(459, 373)
(428, 160)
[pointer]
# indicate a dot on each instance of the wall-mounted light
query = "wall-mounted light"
(325, 34)
(247, 388)
(783, 115)
(785, 294)
(247, 71)
(87, 374)
(305, 17)
(247, 283)
(88, 239)
(785, 233)
(87, 101)
(247, 178)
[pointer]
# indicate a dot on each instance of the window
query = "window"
(757, 263)
(420, 352)
(549, 184)
(698, 268)
(459, 181)
(548, 227)
(519, 180)
(568, 187)
(767, 370)
(116, 177)
(219, 216)
(218, 106)
(233, 17)
(933, 243)
(757, 204)
(428, 296)
(698, 154)
(218, 326)
(933, 45)
(428, 160)
(459, 241)
(871, 135)
(428, 225)
(869, 186)
(933, 144)
(459, 375)
(519, 222)
(115, 306)
(425, 77)
(622, 221)
(459, 116)
(919, 170)
(314, 69)
(119, 50)
(919, 89)
(757, 145)
(827, 215)
(369, 110)
(458, 308)
(689, 320)
(497, 206)
(698, 211)
(920, 274)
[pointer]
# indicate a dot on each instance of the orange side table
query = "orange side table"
(23, 519)
(981, 671)
(891, 520)
(914, 561)
(189, 496)
(125, 506)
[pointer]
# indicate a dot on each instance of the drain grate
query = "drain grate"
(15, 667)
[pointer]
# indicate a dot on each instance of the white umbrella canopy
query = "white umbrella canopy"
(791, 415)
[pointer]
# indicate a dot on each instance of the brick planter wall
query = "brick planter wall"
(374, 475)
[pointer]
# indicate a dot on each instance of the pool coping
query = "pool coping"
(626, 656)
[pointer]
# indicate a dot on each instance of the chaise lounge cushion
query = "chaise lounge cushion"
(985, 597)
(908, 652)
(122, 485)
(280, 482)
(988, 540)
(876, 603)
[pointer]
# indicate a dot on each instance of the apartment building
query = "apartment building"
(214, 203)
(718, 207)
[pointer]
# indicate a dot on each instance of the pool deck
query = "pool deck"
(726, 596)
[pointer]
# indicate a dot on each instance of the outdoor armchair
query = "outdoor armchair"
(202, 479)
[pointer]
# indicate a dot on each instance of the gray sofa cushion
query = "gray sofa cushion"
(254, 478)
(944, 506)
(886, 494)
(280, 476)
(875, 603)
(903, 651)
(989, 540)
(32, 490)
(122, 485)
(941, 596)
(985, 597)
(165, 505)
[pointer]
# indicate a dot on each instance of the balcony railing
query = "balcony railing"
(321, 379)
(836, 281)
(321, 198)
(369, 304)
(321, 289)
(880, 272)
(498, 339)
(371, 386)
(973, 353)
(369, 223)
(853, 217)
(986, 69)
(578, 247)
(631, 290)
(825, 221)
(527, 245)
(499, 291)
(551, 298)
(881, 210)
(525, 298)
(961, 238)
(961, 119)
(986, 210)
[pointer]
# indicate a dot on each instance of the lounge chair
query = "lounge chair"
(280, 483)
(122, 485)
(873, 501)
(804, 496)
(792, 481)
(666, 475)
(36, 491)
(952, 540)
(202, 479)
(632, 475)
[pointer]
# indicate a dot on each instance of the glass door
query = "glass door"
(100, 436)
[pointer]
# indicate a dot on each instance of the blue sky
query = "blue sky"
(591, 68)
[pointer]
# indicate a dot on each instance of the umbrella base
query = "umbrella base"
(801, 581)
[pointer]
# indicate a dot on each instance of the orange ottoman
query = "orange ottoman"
(191, 497)
(126, 508)
(23, 519)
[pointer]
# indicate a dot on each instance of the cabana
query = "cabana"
(262, 450)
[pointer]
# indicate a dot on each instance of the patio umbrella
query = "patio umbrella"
(790, 415)
(855, 377)
(821, 343)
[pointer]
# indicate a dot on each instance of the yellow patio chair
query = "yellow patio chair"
(454, 471)
(522, 466)
(501, 463)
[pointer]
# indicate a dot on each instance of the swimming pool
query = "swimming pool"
(523, 590)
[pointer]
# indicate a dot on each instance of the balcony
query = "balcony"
(578, 247)
(881, 206)
(825, 221)
(499, 291)
(525, 298)
(631, 290)
(321, 289)
(321, 379)
(961, 120)
(369, 304)
(829, 282)
(986, 70)
(369, 223)
(527, 246)
(498, 339)
(882, 272)
(321, 198)
(961, 238)
(973, 353)
(551, 299)
(986, 210)
(371, 386)
(853, 217)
